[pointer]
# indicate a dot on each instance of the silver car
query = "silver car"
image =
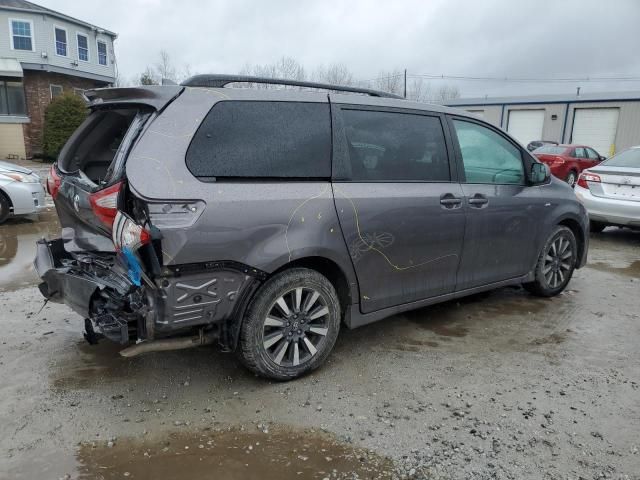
(611, 191)
(21, 192)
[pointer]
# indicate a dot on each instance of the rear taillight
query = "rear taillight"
(127, 234)
(53, 182)
(105, 204)
(558, 161)
(588, 177)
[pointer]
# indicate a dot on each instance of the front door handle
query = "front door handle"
(448, 200)
(478, 201)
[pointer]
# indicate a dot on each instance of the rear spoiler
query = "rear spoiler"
(154, 96)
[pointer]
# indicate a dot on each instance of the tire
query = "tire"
(284, 346)
(5, 208)
(571, 178)
(596, 227)
(556, 263)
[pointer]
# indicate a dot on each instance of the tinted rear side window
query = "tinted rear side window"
(389, 146)
(263, 139)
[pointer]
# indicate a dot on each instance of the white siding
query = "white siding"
(44, 41)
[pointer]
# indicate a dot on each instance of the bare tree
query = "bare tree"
(446, 93)
(165, 67)
(334, 73)
(418, 90)
(390, 82)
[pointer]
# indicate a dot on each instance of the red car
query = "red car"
(568, 161)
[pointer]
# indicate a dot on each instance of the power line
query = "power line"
(432, 76)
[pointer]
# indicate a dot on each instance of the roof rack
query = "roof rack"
(219, 81)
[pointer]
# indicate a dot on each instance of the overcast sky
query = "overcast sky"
(496, 38)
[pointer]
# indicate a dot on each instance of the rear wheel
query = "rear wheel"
(556, 263)
(596, 227)
(291, 325)
(5, 208)
(571, 178)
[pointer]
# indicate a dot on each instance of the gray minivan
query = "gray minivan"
(264, 219)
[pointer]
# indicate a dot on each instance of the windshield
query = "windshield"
(628, 158)
(550, 149)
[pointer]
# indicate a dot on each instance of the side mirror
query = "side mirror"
(540, 173)
(602, 158)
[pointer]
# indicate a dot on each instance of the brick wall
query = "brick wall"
(38, 95)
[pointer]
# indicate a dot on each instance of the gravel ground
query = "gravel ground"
(499, 385)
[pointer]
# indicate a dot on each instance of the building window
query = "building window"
(56, 90)
(61, 41)
(83, 48)
(102, 52)
(12, 100)
(21, 34)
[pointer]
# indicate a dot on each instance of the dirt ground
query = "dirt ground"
(500, 385)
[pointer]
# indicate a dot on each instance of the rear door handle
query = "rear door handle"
(448, 200)
(478, 201)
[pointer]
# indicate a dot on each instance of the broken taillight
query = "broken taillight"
(127, 234)
(53, 182)
(105, 204)
(588, 177)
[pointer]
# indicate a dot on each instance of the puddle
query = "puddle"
(18, 238)
(441, 319)
(553, 339)
(280, 454)
(90, 365)
(632, 270)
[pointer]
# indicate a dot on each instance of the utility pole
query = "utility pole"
(405, 83)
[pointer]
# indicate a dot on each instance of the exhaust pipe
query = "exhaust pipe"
(169, 344)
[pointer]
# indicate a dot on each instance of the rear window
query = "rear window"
(550, 150)
(628, 158)
(263, 140)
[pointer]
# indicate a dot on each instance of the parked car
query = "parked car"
(568, 161)
(264, 219)
(21, 192)
(611, 191)
(539, 143)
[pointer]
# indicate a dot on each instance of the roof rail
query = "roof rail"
(219, 81)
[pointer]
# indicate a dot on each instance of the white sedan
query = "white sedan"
(21, 192)
(610, 191)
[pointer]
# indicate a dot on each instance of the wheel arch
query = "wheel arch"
(579, 233)
(6, 196)
(347, 292)
(331, 270)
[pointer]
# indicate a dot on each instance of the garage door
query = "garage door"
(596, 127)
(526, 125)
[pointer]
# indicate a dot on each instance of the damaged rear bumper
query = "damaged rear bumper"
(181, 301)
(80, 279)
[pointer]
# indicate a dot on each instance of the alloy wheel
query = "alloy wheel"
(295, 327)
(571, 179)
(557, 262)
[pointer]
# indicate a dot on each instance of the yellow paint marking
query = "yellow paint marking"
(371, 247)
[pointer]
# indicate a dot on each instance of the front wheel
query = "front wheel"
(556, 263)
(5, 208)
(291, 325)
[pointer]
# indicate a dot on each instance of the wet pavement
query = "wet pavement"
(497, 385)
(18, 238)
